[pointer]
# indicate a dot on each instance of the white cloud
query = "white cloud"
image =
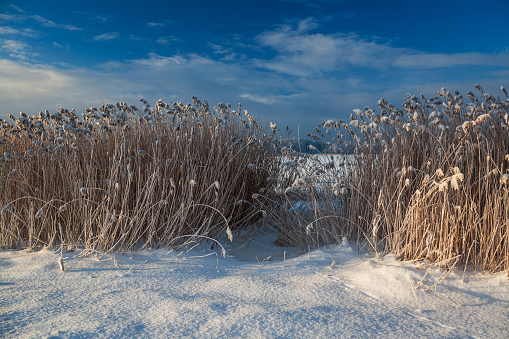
(311, 77)
(17, 49)
(101, 18)
(13, 46)
(67, 47)
(94, 16)
(49, 23)
(306, 25)
(17, 8)
(441, 60)
(167, 40)
(26, 32)
(26, 82)
(304, 54)
(107, 36)
(268, 100)
(10, 17)
(227, 54)
(136, 37)
(156, 61)
(282, 99)
(158, 24)
(29, 88)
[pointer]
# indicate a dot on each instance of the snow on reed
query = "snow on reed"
(120, 177)
(428, 180)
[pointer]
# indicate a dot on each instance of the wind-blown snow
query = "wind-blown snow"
(163, 294)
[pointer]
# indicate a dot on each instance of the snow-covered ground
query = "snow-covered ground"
(167, 294)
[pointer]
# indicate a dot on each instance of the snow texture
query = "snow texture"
(257, 291)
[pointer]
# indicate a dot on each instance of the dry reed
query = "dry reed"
(122, 178)
(428, 181)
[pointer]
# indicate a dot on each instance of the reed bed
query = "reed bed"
(122, 178)
(428, 181)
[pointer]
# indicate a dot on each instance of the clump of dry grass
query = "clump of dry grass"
(122, 177)
(428, 181)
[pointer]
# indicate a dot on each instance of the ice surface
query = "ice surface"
(163, 294)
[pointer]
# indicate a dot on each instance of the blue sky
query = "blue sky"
(294, 63)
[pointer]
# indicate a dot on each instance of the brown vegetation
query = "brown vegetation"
(123, 178)
(428, 181)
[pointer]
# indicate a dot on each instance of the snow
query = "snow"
(325, 293)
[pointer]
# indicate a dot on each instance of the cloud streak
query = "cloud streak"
(107, 36)
(17, 49)
(17, 8)
(301, 53)
(43, 21)
(441, 60)
(25, 32)
(304, 54)
(49, 23)
(167, 40)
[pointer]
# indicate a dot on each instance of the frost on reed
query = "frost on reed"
(122, 177)
(301, 207)
(427, 181)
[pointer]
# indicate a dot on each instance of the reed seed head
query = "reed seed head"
(308, 229)
(429, 240)
(229, 233)
(504, 179)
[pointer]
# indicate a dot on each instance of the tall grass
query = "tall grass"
(428, 181)
(122, 177)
